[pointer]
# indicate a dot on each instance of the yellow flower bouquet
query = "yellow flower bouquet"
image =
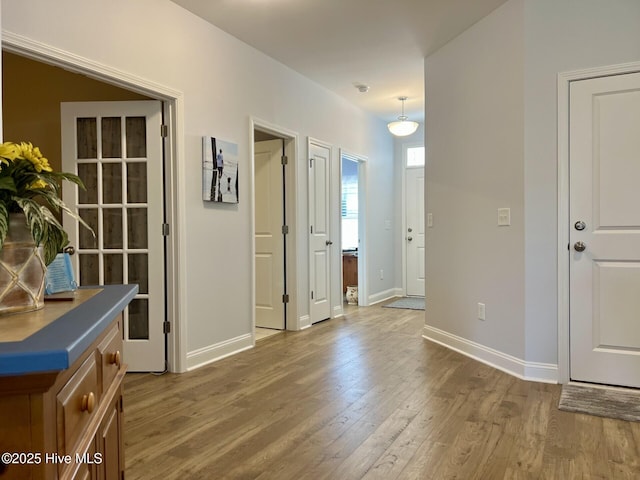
(29, 185)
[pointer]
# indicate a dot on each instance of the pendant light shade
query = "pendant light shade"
(403, 126)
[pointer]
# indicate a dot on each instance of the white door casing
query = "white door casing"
(269, 238)
(116, 148)
(319, 236)
(414, 236)
(604, 168)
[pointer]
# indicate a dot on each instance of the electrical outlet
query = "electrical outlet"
(381, 274)
(430, 220)
(481, 311)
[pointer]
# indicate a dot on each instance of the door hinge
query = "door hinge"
(166, 327)
(285, 298)
(311, 228)
(285, 229)
(164, 131)
(311, 294)
(165, 229)
(284, 159)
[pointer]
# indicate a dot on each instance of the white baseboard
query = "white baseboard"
(532, 371)
(304, 322)
(212, 353)
(337, 311)
(385, 295)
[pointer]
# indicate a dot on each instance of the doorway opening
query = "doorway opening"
(273, 225)
(352, 229)
(174, 350)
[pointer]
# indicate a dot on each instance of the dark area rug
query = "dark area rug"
(603, 402)
(409, 303)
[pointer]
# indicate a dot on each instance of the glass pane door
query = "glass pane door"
(123, 205)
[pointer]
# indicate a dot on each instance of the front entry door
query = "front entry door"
(414, 235)
(269, 237)
(319, 221)
(604, 169)
(116, 149)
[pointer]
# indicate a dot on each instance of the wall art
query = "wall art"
(219, 170)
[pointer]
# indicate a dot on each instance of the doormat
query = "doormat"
(409, 303)
(603, 402)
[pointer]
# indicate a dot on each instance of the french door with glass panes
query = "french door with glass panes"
(116, 149)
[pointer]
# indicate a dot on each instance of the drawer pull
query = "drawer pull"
(88, 403)
(116, 359)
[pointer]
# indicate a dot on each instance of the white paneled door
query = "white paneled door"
(116, 149)
(414, 236)
(604, 169)
(319, 221)
(269, 237)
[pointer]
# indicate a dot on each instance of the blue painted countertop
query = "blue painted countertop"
(56, 346)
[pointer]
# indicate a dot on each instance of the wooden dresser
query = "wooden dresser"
(61, 372)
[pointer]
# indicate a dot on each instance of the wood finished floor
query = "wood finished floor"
(363, 396)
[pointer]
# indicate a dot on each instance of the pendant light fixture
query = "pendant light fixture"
(403, 126)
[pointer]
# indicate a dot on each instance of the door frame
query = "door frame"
(174, 187)
(564, 83)
(363, 295)
(290, 139)
(404, 147)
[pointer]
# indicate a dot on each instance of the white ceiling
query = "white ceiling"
(341, 43)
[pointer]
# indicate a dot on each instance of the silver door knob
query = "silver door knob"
(579, 246)
(409, 238)
(580, 225)
(70, 250)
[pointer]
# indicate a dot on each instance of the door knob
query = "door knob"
(70, 250)
(580, 225)
(410, 230)
(328, 242)
(579, 246)
(409, 238)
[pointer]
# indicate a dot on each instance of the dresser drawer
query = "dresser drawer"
(110, 350)
(76, 404)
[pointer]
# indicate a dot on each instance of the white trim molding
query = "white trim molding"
(176, 263)
(531, 371)
(385, 295)
(304, 322)
(206, 355)
(564, 82)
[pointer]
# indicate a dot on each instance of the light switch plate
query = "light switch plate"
(504, 217)
(429, 220)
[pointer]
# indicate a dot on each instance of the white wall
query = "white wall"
(474, 112)
(491, 109)
(224, 82)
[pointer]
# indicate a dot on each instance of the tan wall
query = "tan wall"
(31, 96)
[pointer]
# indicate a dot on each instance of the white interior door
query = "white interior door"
(414, 236)
(320, 241)
(116, 149)
(269, 238)
(604, 169)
